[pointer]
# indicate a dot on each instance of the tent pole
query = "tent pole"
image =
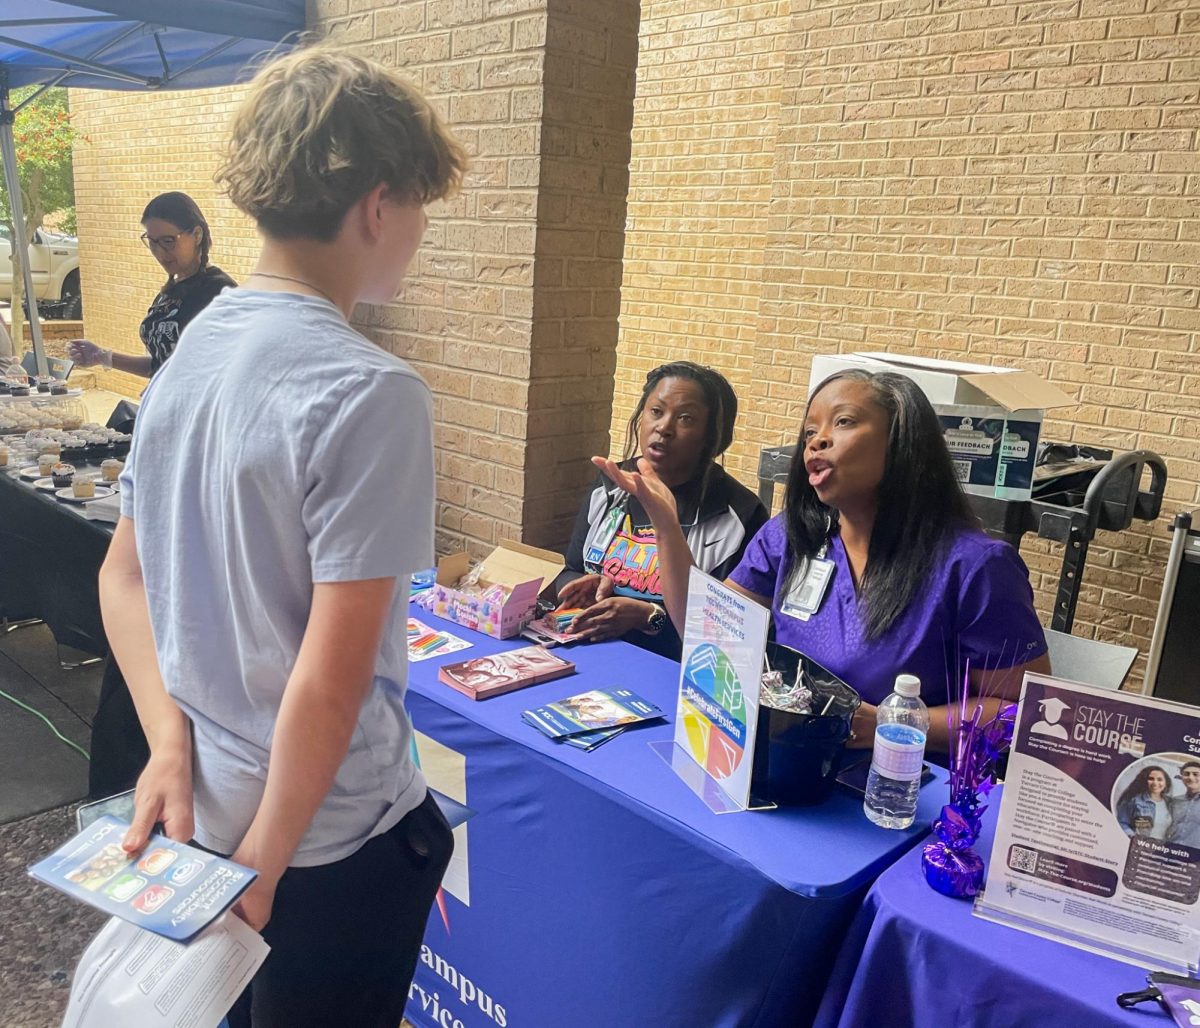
(12, 181)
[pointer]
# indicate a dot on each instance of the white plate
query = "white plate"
(31, 472)
(46, 485)
(70, 497)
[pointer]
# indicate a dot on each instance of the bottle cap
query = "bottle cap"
(908, 685)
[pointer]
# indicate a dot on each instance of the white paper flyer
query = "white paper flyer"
(131, 977)
(1098, 837)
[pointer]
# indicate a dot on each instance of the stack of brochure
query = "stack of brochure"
(591, 718)
(494, 675)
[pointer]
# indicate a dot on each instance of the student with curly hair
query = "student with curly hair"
(278, 495)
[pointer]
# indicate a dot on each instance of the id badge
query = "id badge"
(594, 556)
(805, 597)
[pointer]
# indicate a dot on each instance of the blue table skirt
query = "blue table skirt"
(915, 957)
(603, 892)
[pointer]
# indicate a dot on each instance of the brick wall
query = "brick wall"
(129, 148)
(591, 54)
(704, 142)
(505, 298)
(1004, 182)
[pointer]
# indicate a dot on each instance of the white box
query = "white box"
(959, 391)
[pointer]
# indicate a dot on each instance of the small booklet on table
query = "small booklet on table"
(481, 677)
(590, 718)
(169, 888)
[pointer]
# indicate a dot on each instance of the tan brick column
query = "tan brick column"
(512, 312)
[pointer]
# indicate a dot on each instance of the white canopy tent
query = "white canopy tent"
(126, 44)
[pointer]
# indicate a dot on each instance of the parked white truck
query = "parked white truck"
(54, 261)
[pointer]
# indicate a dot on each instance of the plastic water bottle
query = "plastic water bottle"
(902, 724)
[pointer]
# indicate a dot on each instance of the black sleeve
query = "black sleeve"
(574, 553)
(752, 516)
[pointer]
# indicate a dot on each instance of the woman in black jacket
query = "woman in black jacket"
(682, 423)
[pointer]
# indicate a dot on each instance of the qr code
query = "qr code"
(962, 470)
(1021, 859)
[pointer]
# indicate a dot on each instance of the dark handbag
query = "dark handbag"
(1177, 995)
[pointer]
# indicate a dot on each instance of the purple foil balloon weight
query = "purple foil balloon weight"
(951, 866)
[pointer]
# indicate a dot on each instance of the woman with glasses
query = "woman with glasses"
(178, 236)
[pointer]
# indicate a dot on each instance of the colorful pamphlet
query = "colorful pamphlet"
(425, 642)
(599, 709)
(499, 673)
(169, 888)
(590, 740)
(553, 628)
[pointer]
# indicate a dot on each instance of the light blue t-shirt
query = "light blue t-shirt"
(276, 449)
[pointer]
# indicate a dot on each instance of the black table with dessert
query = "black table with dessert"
(59, 503)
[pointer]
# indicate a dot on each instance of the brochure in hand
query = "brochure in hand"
(482, 677)
(169, 888)
(599, 709)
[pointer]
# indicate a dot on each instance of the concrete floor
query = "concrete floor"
(44, 933)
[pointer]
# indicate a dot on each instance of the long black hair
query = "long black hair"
(184, 213)
(920, 502)
(719, 398)
(1141, 785)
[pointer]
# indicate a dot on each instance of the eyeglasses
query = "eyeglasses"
(166, 243)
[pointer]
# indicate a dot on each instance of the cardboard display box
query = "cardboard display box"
(523, 571)
(991, 416)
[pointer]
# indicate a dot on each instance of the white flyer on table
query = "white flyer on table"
(131, 977)
(1098, 838)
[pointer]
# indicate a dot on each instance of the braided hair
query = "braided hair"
(719, 398)
(184, 213)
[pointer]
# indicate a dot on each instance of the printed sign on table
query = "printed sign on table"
(1098, 838)
(723, 644)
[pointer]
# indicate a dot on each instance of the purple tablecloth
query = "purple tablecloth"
(602, 892)
(915, 957)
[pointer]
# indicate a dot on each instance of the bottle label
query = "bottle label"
(899, 752)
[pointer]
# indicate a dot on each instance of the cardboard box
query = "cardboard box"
(991, 416)
(522, 570)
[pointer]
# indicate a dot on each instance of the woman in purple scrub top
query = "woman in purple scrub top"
(876, 566)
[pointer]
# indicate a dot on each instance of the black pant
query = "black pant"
(345, 936)
(119, 748)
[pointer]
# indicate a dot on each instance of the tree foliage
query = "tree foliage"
(43, 137)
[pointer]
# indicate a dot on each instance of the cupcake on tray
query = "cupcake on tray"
(110, 470)
(83, 487)
(62, 475)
